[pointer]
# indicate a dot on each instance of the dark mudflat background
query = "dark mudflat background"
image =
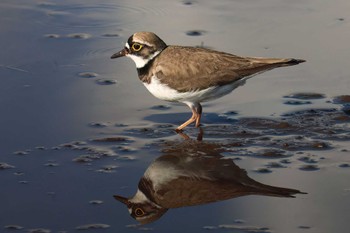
(77, 127)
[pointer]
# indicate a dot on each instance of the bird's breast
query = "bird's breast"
(163, 91)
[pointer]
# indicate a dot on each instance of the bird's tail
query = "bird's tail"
(262, 64)
(268, 190)
(278, 62)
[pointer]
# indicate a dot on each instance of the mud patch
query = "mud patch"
(306, 96)
(342, 99)
(117, 139)
(13, 227)
(93, 226)
(195, 33)
(81, 36)
(4, 166)
(105, 82)
(88, 74)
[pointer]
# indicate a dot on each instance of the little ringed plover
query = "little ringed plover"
(192, 75)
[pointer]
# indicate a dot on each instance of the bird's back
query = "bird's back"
(189, 68)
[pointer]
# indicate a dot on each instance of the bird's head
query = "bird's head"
(141, 208)
(141, 47)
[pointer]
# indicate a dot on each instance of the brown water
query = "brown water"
(78, 127)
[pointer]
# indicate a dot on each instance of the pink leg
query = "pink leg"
(196, 116)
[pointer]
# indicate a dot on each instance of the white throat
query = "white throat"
(139, 197)
(141, 62)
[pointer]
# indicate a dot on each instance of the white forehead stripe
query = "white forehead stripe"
(127, 45)
(142, 42)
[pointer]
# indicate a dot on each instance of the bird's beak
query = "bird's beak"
(123, 200)
(121, 53)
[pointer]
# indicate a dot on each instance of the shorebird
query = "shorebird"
(192, 173)
(192, 75)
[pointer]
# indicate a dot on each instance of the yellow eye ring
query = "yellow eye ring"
(139, 212)
(136, 47)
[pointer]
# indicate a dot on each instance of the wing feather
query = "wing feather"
(189, 68)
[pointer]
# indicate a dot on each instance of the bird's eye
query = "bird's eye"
(136, 47)
(139, 212)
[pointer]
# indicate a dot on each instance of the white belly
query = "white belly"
(164, 92)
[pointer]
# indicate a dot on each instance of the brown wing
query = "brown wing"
(185, 191)
(209, 179)
(189, 68)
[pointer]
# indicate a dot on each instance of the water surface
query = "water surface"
(78, 127)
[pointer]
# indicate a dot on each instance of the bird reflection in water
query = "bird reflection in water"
(192, 173)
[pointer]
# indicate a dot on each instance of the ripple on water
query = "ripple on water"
(100, 14)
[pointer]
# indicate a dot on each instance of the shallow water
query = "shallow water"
(70, 140)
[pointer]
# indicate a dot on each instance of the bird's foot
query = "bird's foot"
(177, 130)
